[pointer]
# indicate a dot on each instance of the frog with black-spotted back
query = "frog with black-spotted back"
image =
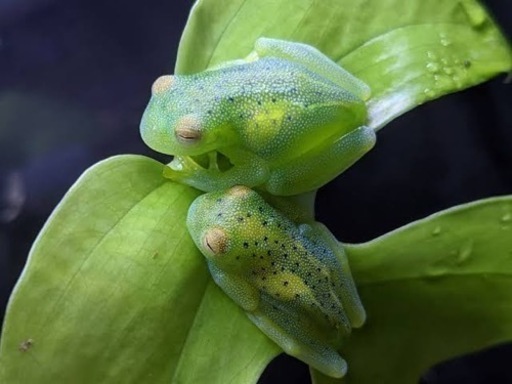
(287, 118)
(292, 279)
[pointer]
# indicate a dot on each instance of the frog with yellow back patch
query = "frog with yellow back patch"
(292, 279)
(285, 119)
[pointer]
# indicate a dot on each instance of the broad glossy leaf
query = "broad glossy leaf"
(115, 292)
(434, 289)
(411, 65)
(433, 48)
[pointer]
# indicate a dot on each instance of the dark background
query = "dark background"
(75, 78)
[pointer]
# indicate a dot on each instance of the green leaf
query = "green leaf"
(115, 292)
(434, 48)
(434, 289)
(411, 65)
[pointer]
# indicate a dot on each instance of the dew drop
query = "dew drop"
(436, 272)
(432, 67)
(506, 218)
(465, 252)
(431, 55)
(429, 92)
(436, 231)
(456, 80)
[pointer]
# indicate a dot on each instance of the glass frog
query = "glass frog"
(285, 119)
(293, 280)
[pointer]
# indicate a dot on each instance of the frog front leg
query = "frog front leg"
(298, 336)
(237, 288)
(246, 169)
(312, 59)
(316, 168)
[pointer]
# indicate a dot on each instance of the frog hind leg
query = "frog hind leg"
(314, 60)
(345, 286)
(238, 289)
(303, 175)
(287, 329)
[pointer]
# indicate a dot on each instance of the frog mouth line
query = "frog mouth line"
(210, 161)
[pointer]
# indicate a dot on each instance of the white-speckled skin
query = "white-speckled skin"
(288, 119)
(292, 279)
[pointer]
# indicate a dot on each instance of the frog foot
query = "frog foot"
(197, 171)
(213, 171)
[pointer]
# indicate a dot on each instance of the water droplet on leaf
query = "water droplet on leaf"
(432, 67)
(465, 252)
(431, 55)
(429, 92)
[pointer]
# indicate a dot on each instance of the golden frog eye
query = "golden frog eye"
(216, 240)
(188, 129)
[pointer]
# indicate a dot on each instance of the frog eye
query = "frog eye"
(162, 84)
(215, 240)
(188, 129)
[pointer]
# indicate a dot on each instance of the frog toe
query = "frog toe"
(324, 359)
(290, 347)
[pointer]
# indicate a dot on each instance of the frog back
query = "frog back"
(265, 248)
(291, 107)
(270, 105)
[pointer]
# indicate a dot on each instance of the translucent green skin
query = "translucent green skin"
(293, 280)
(287, 118)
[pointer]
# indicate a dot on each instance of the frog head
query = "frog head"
(172, 124)
(213, 222)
